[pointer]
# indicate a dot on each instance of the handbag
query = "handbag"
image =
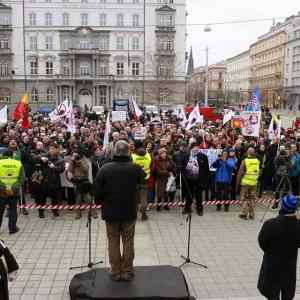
(171, 184)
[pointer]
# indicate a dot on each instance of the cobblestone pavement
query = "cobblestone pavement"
(47, 248)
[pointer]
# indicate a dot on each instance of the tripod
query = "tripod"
(187, 259)
(284, 187)
(89, 225)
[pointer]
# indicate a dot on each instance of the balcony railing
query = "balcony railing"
(165, 28)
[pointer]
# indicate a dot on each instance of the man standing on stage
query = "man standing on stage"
(279, 238)
(116, 187)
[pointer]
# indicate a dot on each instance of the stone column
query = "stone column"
(57, 96)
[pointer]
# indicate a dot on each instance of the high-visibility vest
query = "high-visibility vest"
(144, 162)
(252, 172)
(10, 171)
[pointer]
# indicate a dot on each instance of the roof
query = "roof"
(166, 8)
(3, 6)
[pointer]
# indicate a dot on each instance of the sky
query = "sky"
(225, 41)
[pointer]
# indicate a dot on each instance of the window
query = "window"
(135, 20)
(66, 93)
(287, 67)
(104, 43)
(220, 86)
(84, 19)
(120, 1)
(84, 1)
(4, 44)
(166, 20)
(135, 1)
(136, 95)
(162, 70)
(84, 69)
(288, 52)
(135, 43)
(5, 99)
(34, 95)
(169, 45)
(102, 1)
(50, 95)
(3, 69)
(135, 69)
(120, 69)
(65, 18)
(49, 42)
(103, 93)
(65, 44)
(33, 43)
(34, 67)
(120, 20)
(48, 1)
(66, 68)
(49, 68)
(163, 96)
(120, 93)
(102, 19)
(32, 19)
(84, 44)
(120, 43)
(103, 69)
(4, 20)
(48, 19)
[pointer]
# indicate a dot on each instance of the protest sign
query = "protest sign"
(212, 155)
(118, 115)
(251, 123)
(140, 133)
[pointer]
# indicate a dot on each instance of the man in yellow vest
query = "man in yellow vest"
(142, 158)
(248, 178)
(11, 180)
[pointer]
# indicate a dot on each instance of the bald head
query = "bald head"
(121, 149)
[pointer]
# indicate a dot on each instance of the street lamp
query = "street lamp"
(207, 28)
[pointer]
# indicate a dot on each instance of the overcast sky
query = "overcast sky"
(225, 41)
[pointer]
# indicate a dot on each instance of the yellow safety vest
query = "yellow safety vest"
(10, 171)
(252, 172)
(144, 162)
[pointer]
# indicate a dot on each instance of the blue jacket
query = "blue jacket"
(224, 170)
(295, 170)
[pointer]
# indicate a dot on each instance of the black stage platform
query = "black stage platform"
(155, 282)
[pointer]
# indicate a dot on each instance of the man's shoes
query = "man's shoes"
(41, 215)
(200, 212)
(15, 231)
(144, 217)
(186, 211)
(55, 213)
(115, 277)
(218, 207)
(251, 217)
(127, 276)
(78, 215)
(243, 217)
(94, 214)
(25, 212)
(158, 208)
(275, 205)
(226, 208)
(166, 207)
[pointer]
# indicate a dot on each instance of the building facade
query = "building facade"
(267, 66)
(237, 82)
(95, 51)
(292, 65)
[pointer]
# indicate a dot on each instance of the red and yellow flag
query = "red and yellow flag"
(22, 111)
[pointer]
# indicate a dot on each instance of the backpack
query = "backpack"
(192, 167)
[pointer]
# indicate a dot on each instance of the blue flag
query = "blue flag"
(254, 102)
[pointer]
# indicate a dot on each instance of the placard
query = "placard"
(118, 116)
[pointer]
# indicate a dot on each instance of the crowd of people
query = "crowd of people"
(60, 167)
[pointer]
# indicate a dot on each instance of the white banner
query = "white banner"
(212, 155)
(251, 123)
(3, 115)
(140, 133)
(118, 115)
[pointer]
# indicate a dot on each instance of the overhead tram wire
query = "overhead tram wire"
(249, 21)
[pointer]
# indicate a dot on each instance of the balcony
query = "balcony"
(6, 51)
(84, 51)
(85, 77)
(165, 28)
(165, 52)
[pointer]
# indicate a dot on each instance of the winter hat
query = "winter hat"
(289, 204)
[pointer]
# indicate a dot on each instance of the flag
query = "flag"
(59, 112)
(70, 119)
(274, 128)
(228, 114)
(3, 115)
(190, 68)
(181, 116)
(136, 111)
(194, 118)
(254, 102)
(107, 132)
(22, 111)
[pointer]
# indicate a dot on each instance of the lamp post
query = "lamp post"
(206, 29)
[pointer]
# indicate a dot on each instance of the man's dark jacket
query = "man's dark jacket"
(116, 188)
(279, 238)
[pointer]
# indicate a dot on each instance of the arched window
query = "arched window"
(50, 95)
(120, 93)
(32, 19)
(120, 20)
(34, 95)
(48, 19)
(136, 95)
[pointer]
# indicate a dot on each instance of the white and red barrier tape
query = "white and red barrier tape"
(150, 205)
